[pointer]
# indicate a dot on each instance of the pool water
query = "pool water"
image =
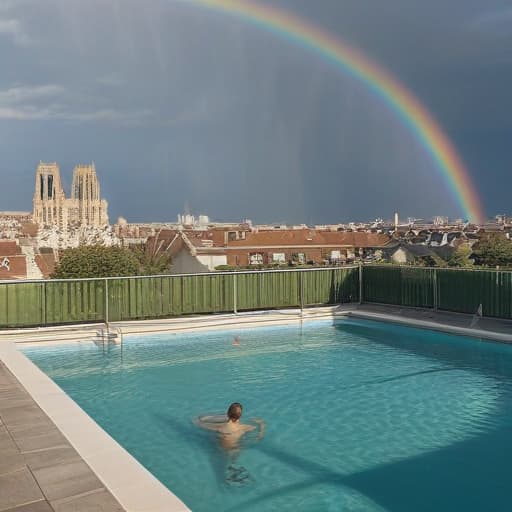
(360, 415)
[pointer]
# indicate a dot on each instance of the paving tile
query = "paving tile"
(14, 392)
(38, 506)
(5, 376)
(18, 488)
(14, 400)
(22, 414)
(66, 480)
(7, 386)
(52, 438)
(11, 461)
(8, 382)
(4, 434)
(32, 428)
(50, 457)
(9, 379)
(101, 501)
(7, 445)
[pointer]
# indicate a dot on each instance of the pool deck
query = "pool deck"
(54, 457)
(483, 328)
(39, 469)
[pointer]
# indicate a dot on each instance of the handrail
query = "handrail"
(256, 271)
(459, 269)
(219, 273)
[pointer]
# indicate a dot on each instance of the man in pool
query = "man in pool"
(231, 430)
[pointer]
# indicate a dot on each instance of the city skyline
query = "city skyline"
(199, 215)
(248, 124)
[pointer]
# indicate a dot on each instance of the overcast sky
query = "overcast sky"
(178, 105)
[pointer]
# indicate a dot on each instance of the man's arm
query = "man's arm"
(216, 427)
(261, 427)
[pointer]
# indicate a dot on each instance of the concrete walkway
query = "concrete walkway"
(495, 329)
(39, 470)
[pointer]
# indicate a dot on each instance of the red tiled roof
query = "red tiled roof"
(9, 248)
(210, 240)
(307, 237)
(46, 263)
(17, 268)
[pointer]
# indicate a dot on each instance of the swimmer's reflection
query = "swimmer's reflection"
(230, 433)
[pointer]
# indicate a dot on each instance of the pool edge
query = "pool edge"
(481, 334)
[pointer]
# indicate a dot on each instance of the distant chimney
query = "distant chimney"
(396, 220)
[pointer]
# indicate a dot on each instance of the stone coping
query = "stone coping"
(491, 329)
(455, 323)
(87, 334)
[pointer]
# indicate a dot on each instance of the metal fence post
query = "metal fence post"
(234, 295)
(434, 283)
(45, 314)
(106, 302)
(360, 283)
(301, 290)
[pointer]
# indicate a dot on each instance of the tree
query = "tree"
(495, 250)
(461, 257)
(153, 258)
(96, 261)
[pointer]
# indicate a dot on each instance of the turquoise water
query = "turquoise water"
(361, 416)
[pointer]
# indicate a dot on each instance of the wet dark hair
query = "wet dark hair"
(234, 411)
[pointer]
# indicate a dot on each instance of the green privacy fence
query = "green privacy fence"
(39, 303)
(443, 289)
(55, 302)
(464, 293)
(404, 286)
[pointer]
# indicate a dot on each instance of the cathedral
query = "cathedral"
(85, 206)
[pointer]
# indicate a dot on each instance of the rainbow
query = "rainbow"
(382, 84)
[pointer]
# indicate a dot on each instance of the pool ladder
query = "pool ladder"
(110, 335)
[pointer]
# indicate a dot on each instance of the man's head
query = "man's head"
(235, 411)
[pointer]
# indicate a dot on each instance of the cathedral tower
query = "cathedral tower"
(84, 208)
(87, 206)
(49, 198)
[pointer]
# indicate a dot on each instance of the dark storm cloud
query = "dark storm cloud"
(177, 105)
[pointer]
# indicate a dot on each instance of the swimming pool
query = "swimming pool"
(361, 415)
